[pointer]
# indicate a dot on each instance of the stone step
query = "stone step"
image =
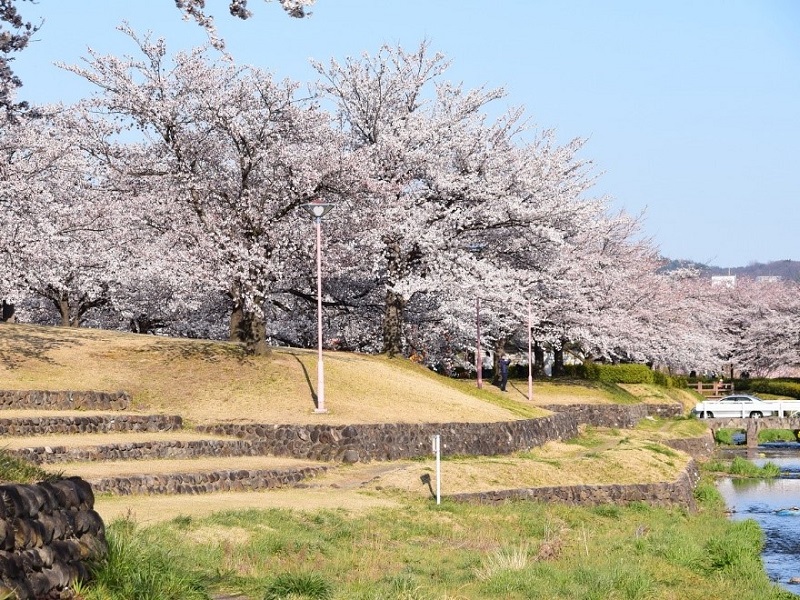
(27, 423)
(193, 476)
(56, 449)
(64, 400)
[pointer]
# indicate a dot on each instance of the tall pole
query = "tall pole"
(320, 371)
(478, 354)
(318, 210)
(530, 356)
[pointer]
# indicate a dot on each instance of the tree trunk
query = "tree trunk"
(250, 330)
(7, 313)
(393, 324)
(538, 359)
(558, 361)
(62, 305)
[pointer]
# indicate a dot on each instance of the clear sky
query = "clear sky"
(691, 108)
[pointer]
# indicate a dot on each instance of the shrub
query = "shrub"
(776, 386)
(662, 379)
(624, 373)
(305, 585)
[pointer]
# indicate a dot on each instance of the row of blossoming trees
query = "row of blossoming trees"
(170, 201)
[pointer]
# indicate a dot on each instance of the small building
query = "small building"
(723, 280)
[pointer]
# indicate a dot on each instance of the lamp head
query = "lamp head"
(317, 209)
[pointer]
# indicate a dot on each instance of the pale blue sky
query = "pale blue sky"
(691, 107)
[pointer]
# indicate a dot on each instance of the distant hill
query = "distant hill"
(787, 269)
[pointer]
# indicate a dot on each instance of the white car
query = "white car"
(736, 405)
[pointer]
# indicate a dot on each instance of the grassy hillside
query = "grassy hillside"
(215, 381)
(210, 381)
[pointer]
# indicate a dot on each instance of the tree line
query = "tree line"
(170, 202)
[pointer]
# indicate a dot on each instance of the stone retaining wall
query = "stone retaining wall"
(675, 493)
(141, 451)
(23, 426)
(65, 400)
(49, 532)
(700, 447)
(624, 416)
(239, 480)
(364, 443)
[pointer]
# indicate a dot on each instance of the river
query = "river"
(762, 499)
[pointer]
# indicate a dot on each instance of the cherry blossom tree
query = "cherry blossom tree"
(228, 155)
(763, 325)
(443, 178)
(15, 33)
(196, 9)
(62, 239)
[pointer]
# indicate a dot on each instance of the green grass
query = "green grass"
(776, 435)
(683, 427)
(515, 551)
(741, 467)
(725, 436)
(145, 564)
(17, 470)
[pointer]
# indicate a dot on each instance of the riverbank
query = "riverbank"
(411, 548)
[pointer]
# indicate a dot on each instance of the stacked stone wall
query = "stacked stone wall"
(624, 416)
(364, 443)
(239, 480)
(169, 449)
(65, 400)
(675, 493)
(49, 533)
(701, 447)
(46, 425)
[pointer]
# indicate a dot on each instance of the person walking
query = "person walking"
(504, 363)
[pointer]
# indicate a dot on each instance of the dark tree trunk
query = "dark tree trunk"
(145, 324)
(538, 359)
(62, 305)
(393, 324)
(250, 330)
(7, 313)
(558, 362)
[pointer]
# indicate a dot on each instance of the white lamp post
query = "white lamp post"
(530, 356)
(478, 353)
(319, 210)
(476, 249)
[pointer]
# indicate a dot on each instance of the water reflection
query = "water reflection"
(762, 499)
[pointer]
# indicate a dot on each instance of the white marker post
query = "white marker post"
(437, 450)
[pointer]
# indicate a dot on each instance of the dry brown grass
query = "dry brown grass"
(207, 381)
(93, 439)
(658, 395)
(214, 381)
(612, 457)
(122, 468)
(602, 457)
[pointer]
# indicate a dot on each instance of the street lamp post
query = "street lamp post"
(476, 249)
(478, 355)
(530, 356)
(318, 210)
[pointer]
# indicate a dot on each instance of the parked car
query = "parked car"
(736, 405)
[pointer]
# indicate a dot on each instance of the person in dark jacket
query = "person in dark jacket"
(504, 362)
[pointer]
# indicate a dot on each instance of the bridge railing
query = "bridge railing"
(717, 389)
(789, 408)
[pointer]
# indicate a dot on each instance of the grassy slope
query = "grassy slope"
(214, 381)
(208, 381)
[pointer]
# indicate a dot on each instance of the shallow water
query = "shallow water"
(761, 499)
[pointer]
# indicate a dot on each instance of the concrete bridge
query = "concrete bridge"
(751, 427)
